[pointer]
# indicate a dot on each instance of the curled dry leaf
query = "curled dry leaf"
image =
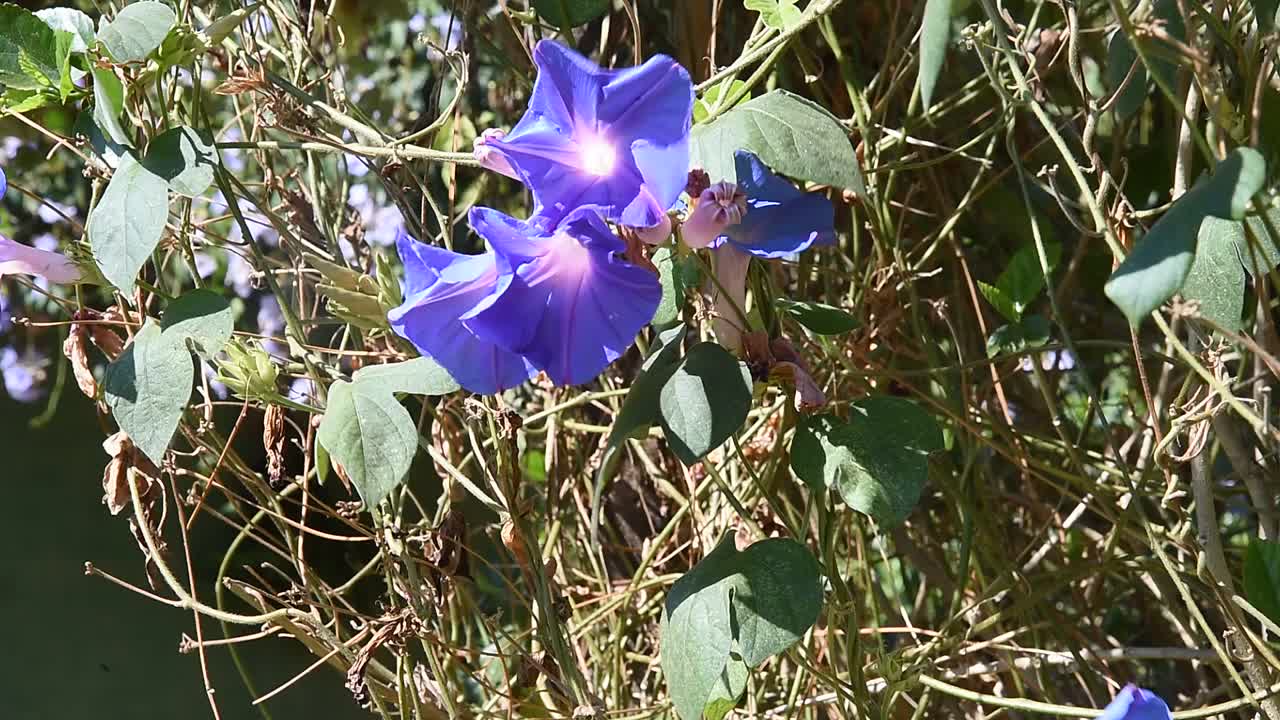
(74, 348)
(273, 437)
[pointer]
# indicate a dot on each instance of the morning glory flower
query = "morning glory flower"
(441, 290)
(779, 220)
(613, 140)
(1134, 703)
(573, 304)
(19, 259)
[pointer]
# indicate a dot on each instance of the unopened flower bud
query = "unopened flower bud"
(491, 158)
(718, 207)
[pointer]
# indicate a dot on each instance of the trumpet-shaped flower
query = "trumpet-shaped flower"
(573, 304)
(19, 259)
(1134, 703)
(441, 289)
(781, 219)
(613, 140)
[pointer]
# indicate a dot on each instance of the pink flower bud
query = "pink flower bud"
(718, 207)
(657, 234)
(490, 158)
(18, 259)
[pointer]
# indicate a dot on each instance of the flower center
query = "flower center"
(597, 156)
(569, 256)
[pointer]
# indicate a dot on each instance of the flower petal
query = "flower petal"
(423, 263)
(431, 320)
(4, 183)
(568, 87)
(575, 306)
(665, 171)
(18, 259)
(780, 218)
(1134, 703)
(653, 101)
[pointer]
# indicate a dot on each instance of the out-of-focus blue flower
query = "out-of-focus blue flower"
(781, 219)
(23, 374)
(356, 165)
(615, 140)
(1134, 703)
(6, 319)
(216, 388)
(270, 316)
(302, 390)
(556, 298)
(418, 22)
(206, 264)
(382, 227)
(239, 274)
(441, 290)
(55, 212)
(9, 148)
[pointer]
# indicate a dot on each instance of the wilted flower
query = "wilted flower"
(560, 299)
(1134, 703)
(615, 140)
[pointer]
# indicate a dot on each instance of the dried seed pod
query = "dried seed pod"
(273, 437)
(74, 348)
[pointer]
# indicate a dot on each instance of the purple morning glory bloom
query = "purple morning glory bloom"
(441, 289)
(615, 140)
(573, 305)
(781, 219)
(6, 318)
(1134, 703)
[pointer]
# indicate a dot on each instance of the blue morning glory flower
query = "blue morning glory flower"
(23, 375)
(781, 219)
(572, 305)
(441, 290)
(1134, 703)
(614, 140)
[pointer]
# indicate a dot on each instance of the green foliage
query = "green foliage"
(778, 14)
(420, 376)
(72, 21)
(817, 317)
(783, 130)
(677, 274)
(1262, 577)
(570, 13)
(108, 104)
(1161, 261)
(185, 158)
(878, 461)
(147, 388)
(136, 31)
(935, 35)
(202, 316)
(731, 612)
(705, 400)
(1025, 334)
(1021, 281)
(370, 435)
(126, 224)
(640, 410)
(28, 50)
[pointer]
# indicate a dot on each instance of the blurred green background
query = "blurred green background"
(80, 647)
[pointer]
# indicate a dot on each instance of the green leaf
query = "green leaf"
(108, 104)
(63, 42)
(935, 35)
(640, 408)
(220, 29)
(147, 389)
(790, 134)
(1121, 57)
(127, 223)
(137, 31)
(371, 436)
(1216, 279)
(202, 316)
(73, 21)
(1030, 332)
(1265, 12)
(420, 376)
(1160, 261)
(878, 461)
(705, 104)
(1021, 281)
(706, 400)
(185, 158)
(109, 151)
(1262, 577)
(779, 14)
(27, 43)
(570, 13)
(817, 317)
(730, 613)
(675, 274)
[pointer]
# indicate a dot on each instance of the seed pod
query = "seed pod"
(74, 348)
